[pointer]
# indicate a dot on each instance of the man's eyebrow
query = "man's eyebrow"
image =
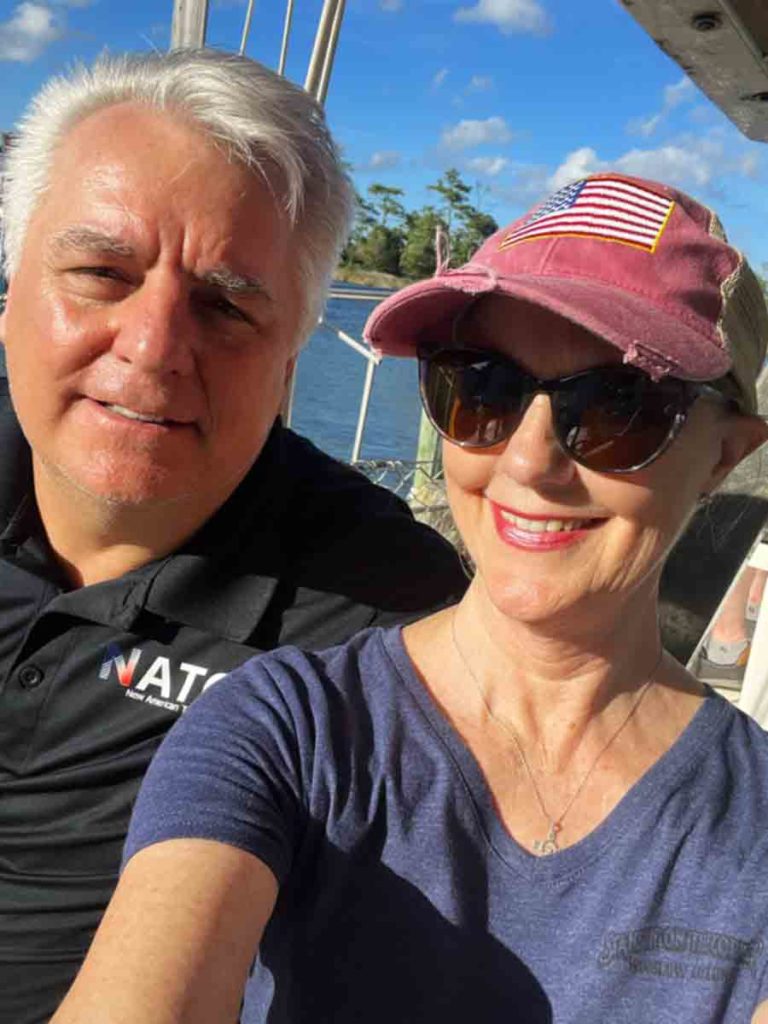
(90, 240)
(85, 239)
(230, 281)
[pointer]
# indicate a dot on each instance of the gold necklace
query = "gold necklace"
(549, 843)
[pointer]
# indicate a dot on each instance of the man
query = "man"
(170, 224)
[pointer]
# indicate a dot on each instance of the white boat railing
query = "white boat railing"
(372, 360)
(190, 26)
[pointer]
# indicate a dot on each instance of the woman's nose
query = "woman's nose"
(532, 455)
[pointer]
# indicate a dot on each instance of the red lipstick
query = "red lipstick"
(512, 532)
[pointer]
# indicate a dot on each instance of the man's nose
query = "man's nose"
(155, 329)
(532, 456)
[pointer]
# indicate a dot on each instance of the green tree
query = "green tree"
(373, 244)
(379, 250)
(417, 258)
(467, 225)
(384, 200)
(476, 226)
(454, 192)
(364, 220)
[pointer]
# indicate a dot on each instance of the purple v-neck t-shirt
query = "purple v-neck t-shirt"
(402, 896)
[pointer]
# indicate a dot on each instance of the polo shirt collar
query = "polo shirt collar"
(222, 580)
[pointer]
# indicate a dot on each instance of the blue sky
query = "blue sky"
(520, 95)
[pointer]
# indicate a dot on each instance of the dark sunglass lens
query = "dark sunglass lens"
(471, 397)
(617, 421)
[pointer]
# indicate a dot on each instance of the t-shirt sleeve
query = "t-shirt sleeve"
(762, 988)
(231, 770)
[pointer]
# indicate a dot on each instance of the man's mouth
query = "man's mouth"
(141, 417)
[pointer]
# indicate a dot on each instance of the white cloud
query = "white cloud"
(675, 165)
(704, 115)
(383, 159)
(680, 92)
(391, 5)
(577, 164)
(488, 165)
(31, 27)
(644, 126)
(507, 15)
(439, 77)
(748, 165)
(466, 134)
(480, 83)
(692, 163)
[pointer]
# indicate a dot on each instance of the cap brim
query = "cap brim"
(424, 314)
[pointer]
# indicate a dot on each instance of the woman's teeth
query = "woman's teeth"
(544, 525)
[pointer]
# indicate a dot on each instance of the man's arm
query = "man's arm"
(177, 940)
(761, 1014)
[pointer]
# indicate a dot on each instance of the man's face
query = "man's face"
(151, 322)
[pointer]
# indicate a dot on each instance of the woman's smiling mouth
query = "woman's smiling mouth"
(539, 533)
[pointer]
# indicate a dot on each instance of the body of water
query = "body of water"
(329, 386)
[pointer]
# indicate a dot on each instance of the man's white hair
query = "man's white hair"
(256, 117)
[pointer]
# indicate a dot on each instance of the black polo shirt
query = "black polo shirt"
(306, 552)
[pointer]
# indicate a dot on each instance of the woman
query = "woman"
(519, 809)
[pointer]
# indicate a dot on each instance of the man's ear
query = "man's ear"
(285, 401)
(742, 435)
(2, 328)
(290, 368)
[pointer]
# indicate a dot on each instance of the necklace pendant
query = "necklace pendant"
(544, 847)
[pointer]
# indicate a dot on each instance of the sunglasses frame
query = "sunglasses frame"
(690, 391)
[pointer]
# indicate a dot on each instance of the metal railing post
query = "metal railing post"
(320, 49)
(286, 37)
(370, 370)
(190, 20)
(330, 53)
(246, 26)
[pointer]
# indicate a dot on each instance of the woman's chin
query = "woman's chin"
(532, 601)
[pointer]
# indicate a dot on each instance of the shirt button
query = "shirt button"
(30, 676)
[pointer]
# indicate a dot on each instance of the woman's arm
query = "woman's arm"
(177, 940)
(761, 1014)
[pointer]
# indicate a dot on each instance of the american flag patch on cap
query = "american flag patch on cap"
(606, 209)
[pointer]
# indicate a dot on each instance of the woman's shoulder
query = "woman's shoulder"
(742, 730)
(737, 755)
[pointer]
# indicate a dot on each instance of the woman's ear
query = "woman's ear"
(742, 435)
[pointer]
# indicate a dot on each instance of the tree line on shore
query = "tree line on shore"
(390, 239)
(387, 237)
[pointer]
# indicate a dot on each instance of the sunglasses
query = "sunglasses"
(612, 419)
